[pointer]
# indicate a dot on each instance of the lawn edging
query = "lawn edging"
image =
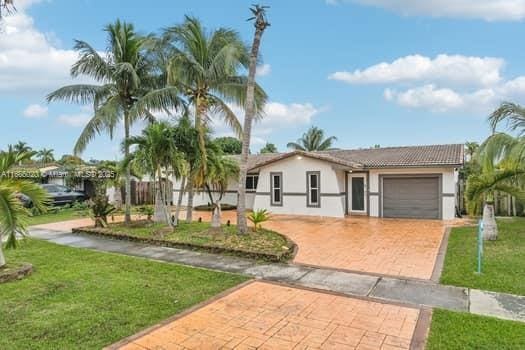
(270, 257)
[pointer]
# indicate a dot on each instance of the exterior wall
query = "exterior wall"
(294, 191)
(448, 183)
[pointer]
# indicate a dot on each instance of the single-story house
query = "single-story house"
(393, 182)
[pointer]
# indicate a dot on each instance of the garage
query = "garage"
(411, 197)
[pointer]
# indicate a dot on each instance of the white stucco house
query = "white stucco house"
(395, 182)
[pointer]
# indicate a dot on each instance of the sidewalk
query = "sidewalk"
(411, 292)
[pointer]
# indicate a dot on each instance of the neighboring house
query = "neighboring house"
(396, 182)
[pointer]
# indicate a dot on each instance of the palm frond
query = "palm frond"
(512, 113)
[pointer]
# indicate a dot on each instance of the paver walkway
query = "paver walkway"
(268, 316)
(395, 290)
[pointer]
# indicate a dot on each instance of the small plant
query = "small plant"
(77, 205)
(258, 217)
(146, 210)
(100, 209)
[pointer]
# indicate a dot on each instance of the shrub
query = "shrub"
(258, 217)
(146, 210)
(100, 209)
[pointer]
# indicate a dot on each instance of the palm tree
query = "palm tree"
(22, 147)
(205, 66)
(502, 161)
(220, 170)
(45, 156)
(7, 7)
(12, 213)
(261, 23)
(313, 140)
(470, 149)
(128, 89)
(157, 153)
(512, 113)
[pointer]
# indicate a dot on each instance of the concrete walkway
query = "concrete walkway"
(394, 290)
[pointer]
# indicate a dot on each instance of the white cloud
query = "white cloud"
(74, 120)
(445, 99)
(277, 116)
(263, 70)
(29, 60)
(489, 10)
(35, 111)
(452, 69)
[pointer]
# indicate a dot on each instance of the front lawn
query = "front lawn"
(263, 244)
(56, 215)
(503, 263)
(454, 330)
(81, 299)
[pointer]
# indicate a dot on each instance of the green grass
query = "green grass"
(200, 233)
(60, 215)
(454, 330)
(81, 299)
(503, 261)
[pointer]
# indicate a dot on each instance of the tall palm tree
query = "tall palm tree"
(261, 23)
(128, 89)
(12, 213)
(157, 153)
(205, 66)
(313, 140)
(502, 161)
(46, 156)
(22, 147)
(471, 148)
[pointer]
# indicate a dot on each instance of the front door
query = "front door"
(357, 194)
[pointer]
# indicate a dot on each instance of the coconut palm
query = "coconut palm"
(313, 140)
(157, 153)
(13, 215)
(260, 23)
(470, 149)
(128, 89)
(45, 156)
(501, 158)
(205, 66)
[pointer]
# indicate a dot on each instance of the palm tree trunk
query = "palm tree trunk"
(189, 208)
(127, 210)
(159, 213)
(216, 217)
(242, 224)
(490, 228)
(2, 257)
(179, 200)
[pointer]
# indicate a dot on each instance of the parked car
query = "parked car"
(62, 195)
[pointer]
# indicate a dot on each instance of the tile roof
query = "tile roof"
(388, 157)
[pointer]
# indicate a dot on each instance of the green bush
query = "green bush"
(258, 217)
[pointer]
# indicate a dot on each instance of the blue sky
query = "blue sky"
(388, 72)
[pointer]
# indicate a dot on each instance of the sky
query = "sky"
(387, 72)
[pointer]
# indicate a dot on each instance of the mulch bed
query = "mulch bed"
(271, 257)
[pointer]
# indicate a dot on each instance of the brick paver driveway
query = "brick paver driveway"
(268, 316)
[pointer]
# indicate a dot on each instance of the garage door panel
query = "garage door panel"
(411, 197)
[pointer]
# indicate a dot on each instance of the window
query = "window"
(313, 188)
(276, 187)
(251, 181)
(358, 193)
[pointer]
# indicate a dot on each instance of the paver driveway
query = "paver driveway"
(397, 247)
(268, 316)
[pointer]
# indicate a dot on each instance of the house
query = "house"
(394, 182)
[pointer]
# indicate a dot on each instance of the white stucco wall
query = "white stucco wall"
(294, 201)
(449, 180)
